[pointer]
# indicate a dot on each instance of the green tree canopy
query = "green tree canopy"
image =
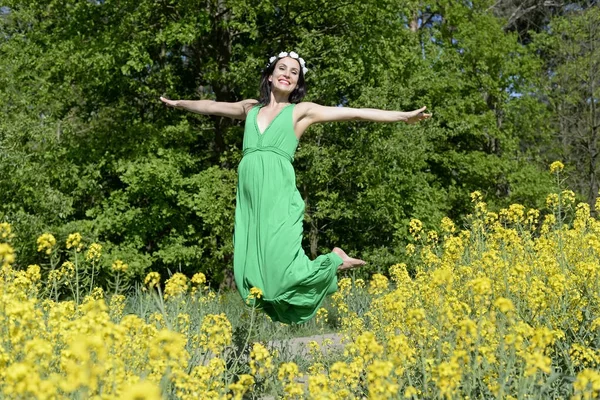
(86, 145)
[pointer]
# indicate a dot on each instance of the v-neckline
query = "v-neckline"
(270, 123)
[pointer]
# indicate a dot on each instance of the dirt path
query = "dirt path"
(299, 346)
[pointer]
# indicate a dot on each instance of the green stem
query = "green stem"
(92, 278)
(117, 282)
(237, 359)
(76, 279)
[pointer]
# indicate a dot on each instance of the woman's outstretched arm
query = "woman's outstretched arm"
(237, 110)
(311, 113)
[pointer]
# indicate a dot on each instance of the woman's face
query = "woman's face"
(285, 75)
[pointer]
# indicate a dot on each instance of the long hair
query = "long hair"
(265, 86)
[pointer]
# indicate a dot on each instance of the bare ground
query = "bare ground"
(299, 346)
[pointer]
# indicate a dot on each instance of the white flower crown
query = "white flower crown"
(291, 54)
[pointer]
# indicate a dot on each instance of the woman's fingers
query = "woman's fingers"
(168, 102)
(421, 114)
(418, 115)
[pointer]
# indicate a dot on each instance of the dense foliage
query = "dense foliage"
(86, 146)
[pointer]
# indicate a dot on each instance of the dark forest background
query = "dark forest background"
(86, 146)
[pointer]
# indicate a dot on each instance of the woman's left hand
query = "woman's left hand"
(417, 115)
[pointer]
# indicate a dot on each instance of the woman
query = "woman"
(269, 210)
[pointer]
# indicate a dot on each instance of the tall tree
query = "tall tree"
(533, 16)
(572, 50)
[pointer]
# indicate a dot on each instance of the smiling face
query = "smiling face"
(285, 75)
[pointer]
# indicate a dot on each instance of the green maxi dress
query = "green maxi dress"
(269, 213)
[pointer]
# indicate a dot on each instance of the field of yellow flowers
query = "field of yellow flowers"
(507, 309)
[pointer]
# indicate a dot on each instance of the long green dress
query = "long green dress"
(269, 212)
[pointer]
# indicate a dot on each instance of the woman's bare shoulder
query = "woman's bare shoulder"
(248, 104)
(302, 109)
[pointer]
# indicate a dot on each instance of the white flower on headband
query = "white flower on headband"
(293, 55)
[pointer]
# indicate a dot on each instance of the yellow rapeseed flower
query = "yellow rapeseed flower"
(583, 356)
(410, 249)
(481, 286)
(243, 385)
(516, 213)
(321, 316)
(448, 376)
(504, 305)
(152, 279)
(176, 285)
(67, 270)
(378, 284)
(533, 216)
(261, 362)
(432, 237)
(476, 196)
(568, 198)
(318, 387)
(549, 223)
(537, 361)
(295, 390)
(5, 231)
(552, 200)
(381, 383)
(366, 346)
(415, 227)
(556, 167)
(410, 391)
(288, 372)
(74, 241)
(94, 252)
(215, 333)
(447, 226)
(255, 293)
(119, 266)
(46, 242)
(7, 254)
(344, 286)
(117, 305)
(33, 273)
(143, 390)
(587, 384)
(582, 216)
(481, 209)
(198, 279)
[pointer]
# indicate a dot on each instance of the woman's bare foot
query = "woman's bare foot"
(348, 262)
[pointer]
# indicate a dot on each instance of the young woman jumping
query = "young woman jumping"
(269, 211)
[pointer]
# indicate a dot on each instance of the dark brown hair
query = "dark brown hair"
(265, 86)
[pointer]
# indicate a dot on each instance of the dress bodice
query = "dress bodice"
(278, 137)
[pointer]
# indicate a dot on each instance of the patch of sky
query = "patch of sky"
(573, 7)
(343, 101)
(511, 90)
